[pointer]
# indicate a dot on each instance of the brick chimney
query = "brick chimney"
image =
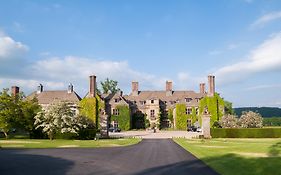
(93, 86)
(15, 90)
(70, 88)
(39, 89)
(202, 88)
(135, 88)
(169, 88)
(211, 81)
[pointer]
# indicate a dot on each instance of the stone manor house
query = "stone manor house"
(149, 103)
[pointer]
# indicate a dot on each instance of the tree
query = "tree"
(109, 86)
(250, 119)
(228, 108)
(229, 121)
(10, 112)
(29, 109)
(58, 117)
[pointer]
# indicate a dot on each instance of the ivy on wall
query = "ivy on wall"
(90, 107)
(123, 118)
(215, 107)
(182, 117)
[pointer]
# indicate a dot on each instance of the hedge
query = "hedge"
(246, 132)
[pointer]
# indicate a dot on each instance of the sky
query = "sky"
(60, 42)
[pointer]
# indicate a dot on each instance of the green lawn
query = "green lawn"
(36, 143)
(237, 156)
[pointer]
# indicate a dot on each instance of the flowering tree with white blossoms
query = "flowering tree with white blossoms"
(58, 117)
(250, 119)
(229, 121)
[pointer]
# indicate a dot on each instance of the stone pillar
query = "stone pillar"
(103, 124)
(206, 131)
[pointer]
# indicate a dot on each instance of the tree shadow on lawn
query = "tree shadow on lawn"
(13, 161)
(233, 164)
(275, 149)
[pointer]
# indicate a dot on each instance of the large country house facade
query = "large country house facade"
(152, 104)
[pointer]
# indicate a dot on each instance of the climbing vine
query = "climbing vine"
(90, 107)
(123, 118)
(215, 107)
(182, 117)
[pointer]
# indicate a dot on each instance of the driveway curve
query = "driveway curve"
(150, 156)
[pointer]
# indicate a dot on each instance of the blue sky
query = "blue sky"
(57, 42)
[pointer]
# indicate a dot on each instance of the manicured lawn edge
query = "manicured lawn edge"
(60, 143)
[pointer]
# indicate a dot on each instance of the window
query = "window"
(197, 111)
(142, 102)
(188, 100)
(152, 101)
(117, 100)
(197, 99)
(115, 112)
(188, 111)
(152, 114)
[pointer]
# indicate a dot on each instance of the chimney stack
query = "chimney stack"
(39, 89)
(169, 88)
(211, 81)
(135, 88)
(15, 90)
(93, 86)
(202, 88)
(70, 88)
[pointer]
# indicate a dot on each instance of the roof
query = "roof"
(47, 97)
(176, 95)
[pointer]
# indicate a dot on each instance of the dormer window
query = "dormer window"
(187, 100)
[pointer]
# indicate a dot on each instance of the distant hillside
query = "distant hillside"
(264, 111)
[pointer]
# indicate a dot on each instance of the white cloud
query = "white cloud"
(266, 19)
(265, 58)
(10, 49)
(57, 72)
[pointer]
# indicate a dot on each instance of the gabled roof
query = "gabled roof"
(47, 97)
(176, 95)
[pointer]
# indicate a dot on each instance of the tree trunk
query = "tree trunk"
(6, 135)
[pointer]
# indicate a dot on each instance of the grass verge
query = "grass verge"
(38, 143)
(237, 156)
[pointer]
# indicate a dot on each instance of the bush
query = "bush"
(246, 132)
(229, 121)
(87, 134)
(250, 119)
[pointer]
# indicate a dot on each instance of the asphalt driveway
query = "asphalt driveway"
(159, 156)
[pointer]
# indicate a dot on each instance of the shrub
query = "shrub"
(246, 132)
(229, 121)
(250, 119)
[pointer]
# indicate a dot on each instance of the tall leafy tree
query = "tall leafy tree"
(29, 109)
(109, 86)
(228, 108)
(10, 111)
